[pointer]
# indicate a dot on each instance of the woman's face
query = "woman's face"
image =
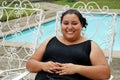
(71, 27)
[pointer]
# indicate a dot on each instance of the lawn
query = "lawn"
(112, 4)
(14, 11)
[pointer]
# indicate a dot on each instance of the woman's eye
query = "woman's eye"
(65, 23)
(74, 23)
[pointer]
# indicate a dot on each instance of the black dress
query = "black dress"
(62, 53)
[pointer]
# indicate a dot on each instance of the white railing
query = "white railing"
(13, 53)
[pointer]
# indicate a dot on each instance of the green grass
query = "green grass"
(112, 4)
(13, 14)
(9, 14)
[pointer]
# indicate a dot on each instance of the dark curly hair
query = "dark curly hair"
(78, 14)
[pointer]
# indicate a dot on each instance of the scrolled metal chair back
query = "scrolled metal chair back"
(16, 18)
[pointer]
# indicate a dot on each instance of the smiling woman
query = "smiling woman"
(71, 56)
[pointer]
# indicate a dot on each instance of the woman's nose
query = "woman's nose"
(70, 26)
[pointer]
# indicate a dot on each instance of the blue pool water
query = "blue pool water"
(49, 30)
(28, 35)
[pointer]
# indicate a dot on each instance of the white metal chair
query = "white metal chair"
(14, 51)
(105, 39)
(103, 34)
(10, 51)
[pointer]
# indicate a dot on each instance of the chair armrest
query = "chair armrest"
(111, 77)
(16, 69)
(1, 71)
(22, 75)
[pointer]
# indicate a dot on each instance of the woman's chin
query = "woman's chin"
(70, 38)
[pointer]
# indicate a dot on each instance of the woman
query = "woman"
(71, 56)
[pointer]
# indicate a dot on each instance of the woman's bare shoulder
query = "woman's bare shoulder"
(94, 44)
(44, 43)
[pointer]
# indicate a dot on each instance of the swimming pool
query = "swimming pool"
(49, 30)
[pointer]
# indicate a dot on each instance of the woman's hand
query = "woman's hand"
(58, 68)
(50, 66)
(67, 69)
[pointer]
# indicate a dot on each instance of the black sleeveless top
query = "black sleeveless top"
(62, 53)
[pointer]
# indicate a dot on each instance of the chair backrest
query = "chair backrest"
(15, 46)
(101, 24)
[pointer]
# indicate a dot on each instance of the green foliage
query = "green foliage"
(70, 0)
(112, 4)
(11, 13)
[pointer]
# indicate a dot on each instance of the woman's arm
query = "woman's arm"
(34, 64)
(100, 68)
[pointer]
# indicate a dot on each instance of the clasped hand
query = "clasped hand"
(59, 68)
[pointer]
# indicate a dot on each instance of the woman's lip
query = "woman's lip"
(70, 32)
